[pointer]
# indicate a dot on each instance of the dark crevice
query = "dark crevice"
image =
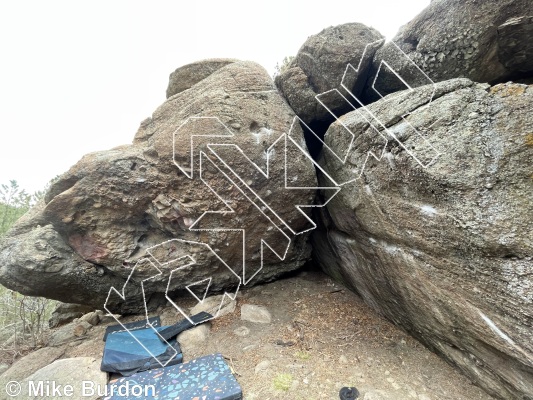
(412, 42)
(314, 145)
(138, 246)
(517, 77)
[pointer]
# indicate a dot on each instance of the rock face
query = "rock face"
(257, 314)
(31, 363)
(65, 313)
(320, 65)
(189, 75)
(81, 374)
(170, 216)
(441, 244)
(71, 332)
(515, 42)
(485, 41)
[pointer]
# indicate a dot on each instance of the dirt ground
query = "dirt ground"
(322, 337)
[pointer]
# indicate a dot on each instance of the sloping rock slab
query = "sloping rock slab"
(81, 374)
(31, 363)
(443, 247)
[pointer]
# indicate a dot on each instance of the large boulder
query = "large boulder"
(320, 65)
(153, 211)
(485, 41)
(436, 235)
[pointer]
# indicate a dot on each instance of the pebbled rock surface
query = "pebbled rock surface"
(120, 212)
(320, 65)
(444, 250)
(485, 41)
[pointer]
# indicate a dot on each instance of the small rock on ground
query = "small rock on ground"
(242, 331)
(217, 306)
(191, 338)
(93, 318)
(262, 366)
(71, 332)
(65, 313)
(81, 328)
(253, 313)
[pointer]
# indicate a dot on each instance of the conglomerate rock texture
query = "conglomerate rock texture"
(133, 210)
(485, 41)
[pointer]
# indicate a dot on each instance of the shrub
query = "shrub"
(279, 69)
(23, 322)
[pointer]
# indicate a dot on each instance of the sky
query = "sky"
(79, 76)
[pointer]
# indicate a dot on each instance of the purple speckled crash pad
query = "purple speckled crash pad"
(205, 378)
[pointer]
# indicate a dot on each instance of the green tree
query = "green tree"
(22, 318)
(14, 202)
